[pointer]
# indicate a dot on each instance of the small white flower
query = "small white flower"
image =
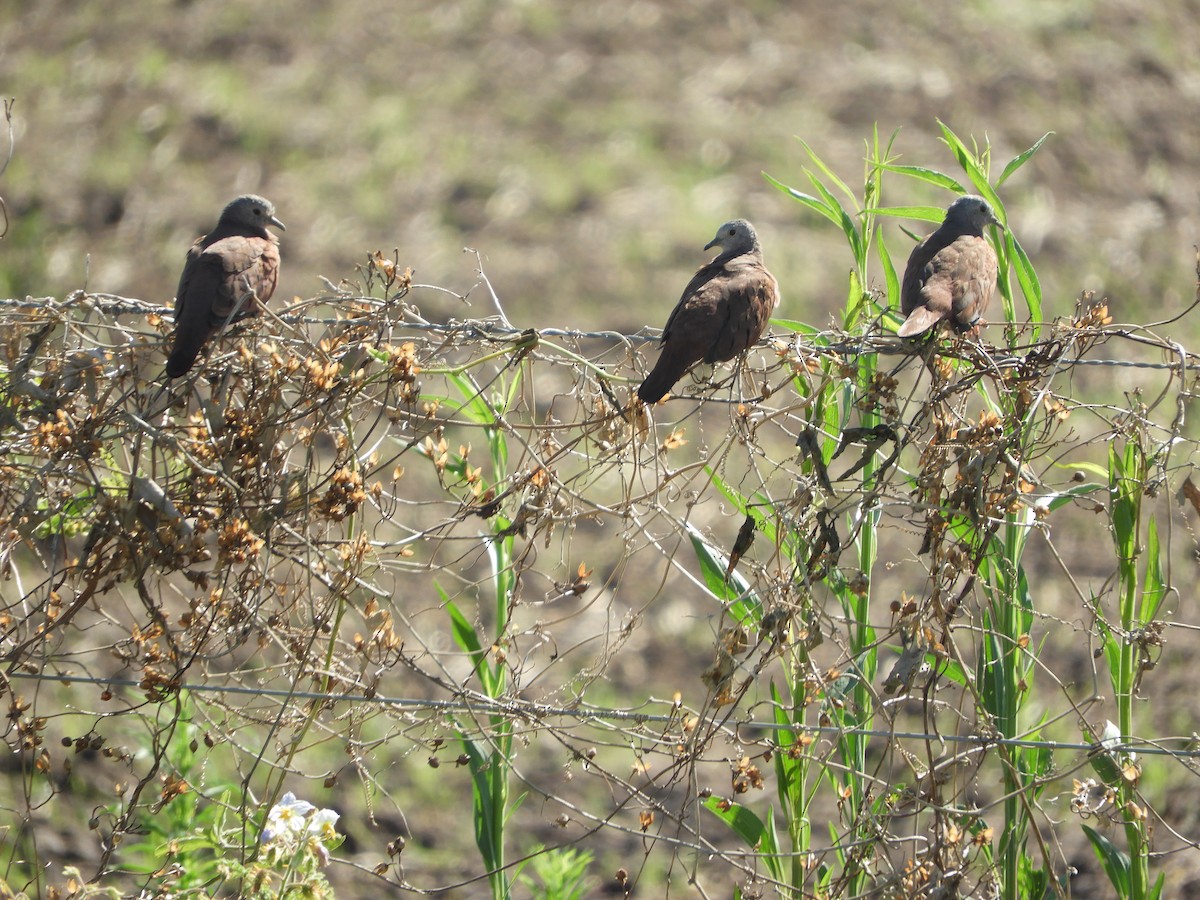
(322, 824)
(287, 818)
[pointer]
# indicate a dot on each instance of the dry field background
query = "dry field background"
(586, 152)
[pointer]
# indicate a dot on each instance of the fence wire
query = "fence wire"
(353, 544)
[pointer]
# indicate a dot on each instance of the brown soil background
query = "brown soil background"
(588, 151)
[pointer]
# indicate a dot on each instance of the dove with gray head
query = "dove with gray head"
(229, 273)
(951, 275)
(723, 310)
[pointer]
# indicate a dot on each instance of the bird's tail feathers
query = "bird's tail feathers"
(188, 342)
(919, 321)
(660, 380)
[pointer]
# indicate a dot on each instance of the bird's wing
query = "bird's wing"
(916, 272)
(694, 300)
(230, 275)
(925, 292)
(723, 310)
(961, 279)
(689, 333)
(248, 270)
(185, 277)
(749, 295)
(199, 286)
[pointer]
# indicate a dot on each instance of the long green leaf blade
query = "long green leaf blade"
(889, 270)
(826, 171)
(970, 165)
(930, 176)
(807, 199)
(1021, 158)
(1031, 285)
(924, 213)
(844, 220)
(741, 821)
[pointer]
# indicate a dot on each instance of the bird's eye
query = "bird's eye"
(732, 232)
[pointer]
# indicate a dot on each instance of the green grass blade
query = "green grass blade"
(807, 199)
(740, 820)
(889, 270)
(1113, 859)
(930, 176)
(844, 220)
(924, 213)
(744, 605)
(827, 172)
(461, 628)
(1027, 276)
(970, 165)
(475, 407)
(1021, 158)
(1154, 588)
(795, 326)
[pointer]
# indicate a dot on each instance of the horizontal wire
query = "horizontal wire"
(526, 710)
(495, 329)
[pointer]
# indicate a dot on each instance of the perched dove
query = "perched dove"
(723, 310)
(229, 272)
(951, 275)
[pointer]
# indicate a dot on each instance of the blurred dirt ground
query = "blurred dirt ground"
(587, 151)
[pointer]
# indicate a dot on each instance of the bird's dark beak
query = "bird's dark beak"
(715, 242)
(996, 222)
(274, 221)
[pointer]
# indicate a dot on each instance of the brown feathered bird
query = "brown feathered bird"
(723, 310)
(229, 272)
(951, 275)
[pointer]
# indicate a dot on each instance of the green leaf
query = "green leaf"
(1021, 158)
(741, 821)
(1114, 860)
(828, 172)
(1095, 468)
(475, 407)
(924, 213)
(1060, 499)
(807, 199)
(1103, 759)
(1027, 276)
(1154, 588)
(764, 524)
(1032, 882)
(856, 295)
(468, 641)
(795, 326)
(848, 227)
(889, 271)
(461, 628)
(966, 159)
(769, 849)
(947, 668)
(928, 175)
(788, 768)
(743, 603)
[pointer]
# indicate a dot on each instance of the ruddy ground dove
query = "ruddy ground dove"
(951, 275)
(723, 310)
(229, 272)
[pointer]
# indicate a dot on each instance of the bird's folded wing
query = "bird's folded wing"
(247, 268)
(748, 297)
(202, 280)
(962, 280)
(185, 276)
